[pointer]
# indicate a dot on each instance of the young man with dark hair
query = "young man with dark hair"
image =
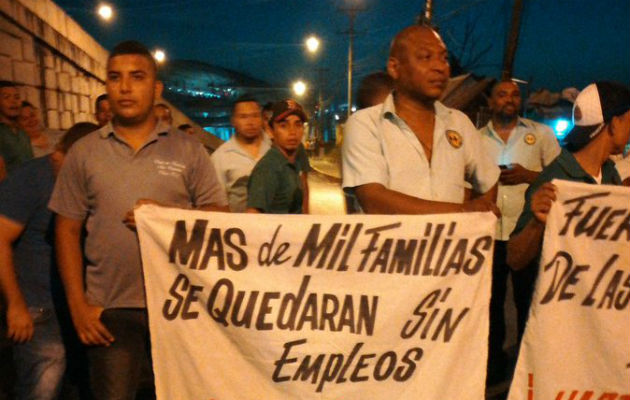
(235, 159)
(601, 116)
(15, 147)
(277, 184)
(104, 176)
(412, 155)
(103, 110)
(27, 273)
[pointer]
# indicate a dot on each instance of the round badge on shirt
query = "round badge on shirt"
(454, 139)
(530, 139)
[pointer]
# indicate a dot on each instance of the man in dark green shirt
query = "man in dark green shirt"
(15, 147)
(277, 184)
(601, 115)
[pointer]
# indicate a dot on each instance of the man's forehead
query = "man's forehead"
(505, 87)
(421, 37)
(130, 62)
(291, 118)
(247, 106)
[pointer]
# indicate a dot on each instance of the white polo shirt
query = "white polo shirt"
(530, 144)
(234, 165)
(379, 147)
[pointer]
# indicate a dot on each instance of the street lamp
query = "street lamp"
(312, 44)
(105, 11)
(159, 55)
(299, 88)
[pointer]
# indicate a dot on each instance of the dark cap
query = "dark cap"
(594, 107)
(282, 109)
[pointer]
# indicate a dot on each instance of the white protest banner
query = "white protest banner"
(576, 344)
(270, 307)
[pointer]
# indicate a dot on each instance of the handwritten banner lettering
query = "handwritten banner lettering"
(317, 307)
(576, 344)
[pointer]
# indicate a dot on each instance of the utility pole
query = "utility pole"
(510, 48)
(426, 17)
(352, 11)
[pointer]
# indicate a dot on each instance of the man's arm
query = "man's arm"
(85, 316)
(19, 321)
(517, 174)
(305, 194)
(525, 245)
(375, 198)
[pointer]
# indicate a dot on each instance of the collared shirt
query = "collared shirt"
(531, 145)
(567, 168)
(275, 186)
(102, 178)
(15, 147)
(234, 166)
(379, 147)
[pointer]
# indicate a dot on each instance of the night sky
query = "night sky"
(562, 42)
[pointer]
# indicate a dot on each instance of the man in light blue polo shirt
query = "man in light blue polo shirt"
(411, 154)
(521, 148)
(131, 158)
(235, 159)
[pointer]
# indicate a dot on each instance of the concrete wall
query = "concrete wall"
(59, 67)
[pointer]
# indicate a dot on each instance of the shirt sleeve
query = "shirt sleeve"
(261, 188)
(203, 183)
(217, 161)
(482, 171)
(363, 160)
(70, 195)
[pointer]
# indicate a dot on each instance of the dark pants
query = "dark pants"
(115, 371)
(523, 287)
(523, 282)
(496, 337)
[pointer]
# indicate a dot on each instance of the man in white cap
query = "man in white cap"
(601, 116)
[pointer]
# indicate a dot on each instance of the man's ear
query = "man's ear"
(392, 67)
(159, 87)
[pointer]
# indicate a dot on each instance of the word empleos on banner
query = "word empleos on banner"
(316, 307)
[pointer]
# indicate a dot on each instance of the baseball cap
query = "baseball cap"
(594, 107)
(284, 108)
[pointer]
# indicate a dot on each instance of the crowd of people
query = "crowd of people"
(67, 199)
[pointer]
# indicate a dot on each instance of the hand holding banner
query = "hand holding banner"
(317, 307)
(576, 346)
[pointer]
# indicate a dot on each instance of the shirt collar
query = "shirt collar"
(276, 153)
(388, 109)
(519, 123)
(160, 129)
(232, 145)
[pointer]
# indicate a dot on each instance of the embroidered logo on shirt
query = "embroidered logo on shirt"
(454, 139)
(530, 138)
(169, 168)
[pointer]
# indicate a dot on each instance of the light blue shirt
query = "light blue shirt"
(234, 165)
(530, 144)
(379, 147)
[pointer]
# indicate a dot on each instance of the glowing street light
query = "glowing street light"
(159, 55)
(312, 44)
(299, 88)
(105, 11)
